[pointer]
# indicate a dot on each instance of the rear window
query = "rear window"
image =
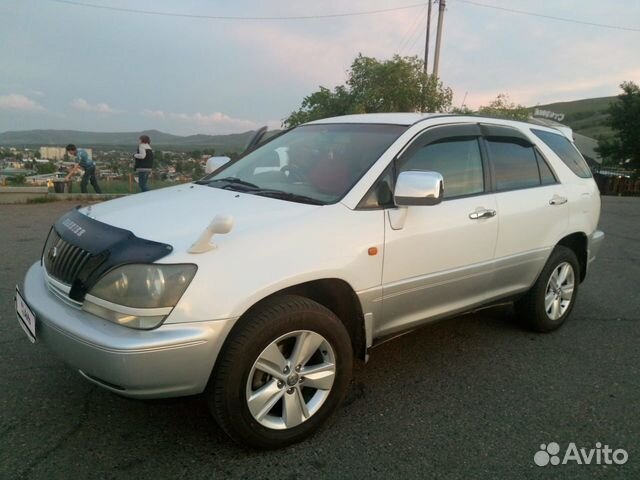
(567, 152)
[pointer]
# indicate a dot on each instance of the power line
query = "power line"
(549, 17)
(338, 15)
(420, 32)
(234, 17)
(406, 41)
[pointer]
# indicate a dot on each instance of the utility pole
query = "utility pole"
(436, 61)
(426, 39)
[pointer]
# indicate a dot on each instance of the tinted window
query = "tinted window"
(567, 152)
(515, 165)
(546, 175)
(458, 161)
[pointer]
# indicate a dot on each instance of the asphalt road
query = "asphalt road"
(473, 397)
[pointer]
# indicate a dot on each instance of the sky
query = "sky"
(67, 66)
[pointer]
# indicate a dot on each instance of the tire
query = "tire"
(257, 394)
(547, 305)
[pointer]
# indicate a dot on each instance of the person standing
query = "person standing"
(143, 161)
(83, 161)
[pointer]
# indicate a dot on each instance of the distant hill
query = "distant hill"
(125, 140)
(588, 117)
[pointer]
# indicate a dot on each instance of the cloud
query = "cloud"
(322, 55)
(153, 113)
(215, 119)
(217, 122)
(84, 106)
(16, 101)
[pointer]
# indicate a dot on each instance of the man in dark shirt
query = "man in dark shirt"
(84, 162)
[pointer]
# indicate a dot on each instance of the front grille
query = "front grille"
(62, 260)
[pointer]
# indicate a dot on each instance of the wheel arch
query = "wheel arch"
(338, 296)
(577, 242)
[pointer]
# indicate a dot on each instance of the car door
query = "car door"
(533, 208)
(438, 258)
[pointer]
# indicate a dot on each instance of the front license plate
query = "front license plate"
(26, 317)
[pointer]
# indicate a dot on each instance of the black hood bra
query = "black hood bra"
(79, 250)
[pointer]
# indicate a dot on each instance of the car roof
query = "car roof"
(411, 118)
(405, 118)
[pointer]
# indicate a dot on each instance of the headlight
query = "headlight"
(139, 296)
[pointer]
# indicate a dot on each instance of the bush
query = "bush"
(17, 180)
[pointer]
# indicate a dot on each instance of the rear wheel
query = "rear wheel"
(550, 301)
(283, 371)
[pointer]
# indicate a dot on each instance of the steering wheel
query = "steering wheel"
(293, 172)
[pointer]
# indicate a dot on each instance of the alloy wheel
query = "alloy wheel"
(559, 291)
(291, 379)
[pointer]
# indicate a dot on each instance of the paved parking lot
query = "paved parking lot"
(469, 398)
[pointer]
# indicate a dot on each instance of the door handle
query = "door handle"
(481, 212)
(558, 200)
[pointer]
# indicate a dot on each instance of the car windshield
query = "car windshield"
(316, 164)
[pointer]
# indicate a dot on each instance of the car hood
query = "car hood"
(178, 215)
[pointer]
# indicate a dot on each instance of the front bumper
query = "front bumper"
(172, 360)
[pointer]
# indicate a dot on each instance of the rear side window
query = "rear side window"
(457, 160)
(515, 165)
(567, 152)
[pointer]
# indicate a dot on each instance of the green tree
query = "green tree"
(114, 166)
(502, 107)
(159, 158)
(462, 110)
(17, 180)
(625, 121)
(198, 171)
(43, 168)
(373, 86)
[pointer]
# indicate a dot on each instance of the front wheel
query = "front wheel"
(284, 369)
(549, 302)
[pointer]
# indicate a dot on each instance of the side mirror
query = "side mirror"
(415, 187)
(214, 163)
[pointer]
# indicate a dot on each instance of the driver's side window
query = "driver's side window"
(457, 159)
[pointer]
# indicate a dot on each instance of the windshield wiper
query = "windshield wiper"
(248, 187)
(234, 181)
(293, 197)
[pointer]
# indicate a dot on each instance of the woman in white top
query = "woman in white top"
(143, 161)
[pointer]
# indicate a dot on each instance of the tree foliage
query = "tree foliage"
(43, 168)
(198, 171)
(17, 180)
(503, 107)
(374, 86)
(625, 121)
